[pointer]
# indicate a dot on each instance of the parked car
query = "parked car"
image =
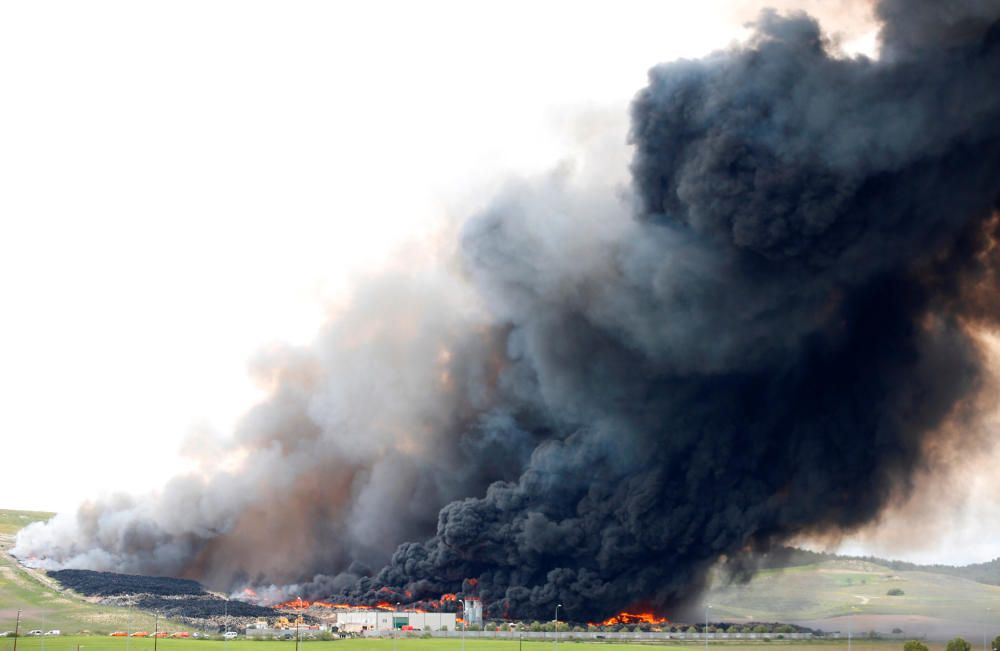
(230, 635)
(6, 633)
(35, 632)
(54, 631)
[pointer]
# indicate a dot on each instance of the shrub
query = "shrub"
(914, 645)
(958, 644)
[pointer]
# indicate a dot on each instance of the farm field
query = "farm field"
(93, 643)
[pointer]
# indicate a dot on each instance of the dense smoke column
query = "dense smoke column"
(363, 437)
(764, 336)
(769, 350)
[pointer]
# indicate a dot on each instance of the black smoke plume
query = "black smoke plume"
(765, 336)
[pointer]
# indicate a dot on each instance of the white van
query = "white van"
(230, 635)
(35, 632)
(54, 631)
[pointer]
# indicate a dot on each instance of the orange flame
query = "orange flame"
(304, 603)
(448, 597)
(634, 618)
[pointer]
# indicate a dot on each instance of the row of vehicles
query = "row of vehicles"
(229, 635)
(148, 634)
(33, 633)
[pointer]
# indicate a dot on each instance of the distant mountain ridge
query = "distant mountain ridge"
(987, 573)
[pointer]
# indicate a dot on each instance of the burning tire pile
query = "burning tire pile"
(176, 598)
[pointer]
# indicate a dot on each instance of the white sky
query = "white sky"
(183, 182)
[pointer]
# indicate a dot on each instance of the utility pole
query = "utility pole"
(156, 629)
(43, 633)
(464, 623)
(297, 625)
(558, 606)
(128, 625)
(707, 606)
(17, 629)
(394, 628)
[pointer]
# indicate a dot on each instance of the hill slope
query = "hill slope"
(39, 599)
(826, 594)
(988, 572)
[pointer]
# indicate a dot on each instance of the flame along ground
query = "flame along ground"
(301, 604)
(634, 618)
(421, 607)
(622, 618)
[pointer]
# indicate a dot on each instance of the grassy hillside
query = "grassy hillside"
(12, 521)
(834, 589)
(782, 557)
(41, 603)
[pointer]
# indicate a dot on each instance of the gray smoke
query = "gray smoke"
(762, 337)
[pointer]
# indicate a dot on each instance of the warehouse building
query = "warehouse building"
(360, 621)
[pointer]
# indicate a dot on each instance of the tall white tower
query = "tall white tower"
(474, 611)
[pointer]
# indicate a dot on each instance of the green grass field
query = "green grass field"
(92, 643)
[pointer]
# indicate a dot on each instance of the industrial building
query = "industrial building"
(359, 621)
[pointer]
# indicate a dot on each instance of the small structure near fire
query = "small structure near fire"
(473, 614)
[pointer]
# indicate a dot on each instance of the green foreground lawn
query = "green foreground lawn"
(94, 643)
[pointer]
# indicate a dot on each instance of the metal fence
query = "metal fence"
(594, 635)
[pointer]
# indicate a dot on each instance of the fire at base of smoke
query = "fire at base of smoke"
(770, 334)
